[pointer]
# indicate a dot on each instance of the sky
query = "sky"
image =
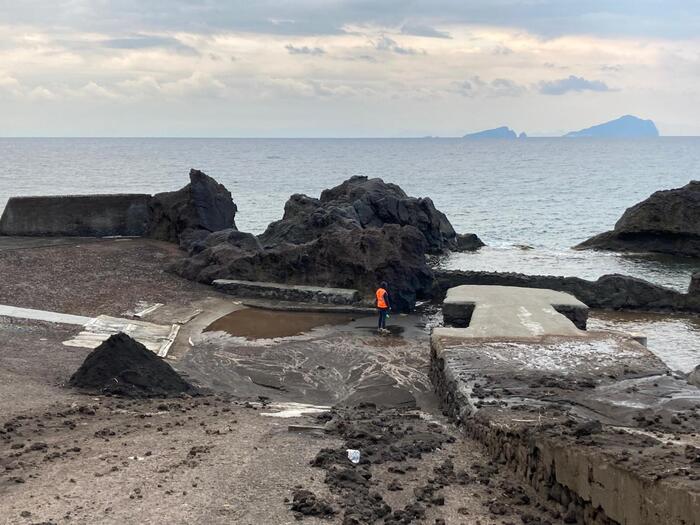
(344, 68)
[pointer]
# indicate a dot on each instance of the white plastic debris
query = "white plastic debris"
(354, 455)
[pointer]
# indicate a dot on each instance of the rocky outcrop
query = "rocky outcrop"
(360, 261)
(694, 377)
(356, 204)
(667, 222)
(188, 215)
(355, 235)
(468, 242)
(617, 292)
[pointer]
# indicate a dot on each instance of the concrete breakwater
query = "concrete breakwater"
(593, 421)
(616, 292)
(77, 215)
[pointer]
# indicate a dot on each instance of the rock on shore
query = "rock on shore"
(360, 260)
(356, 204)
(191, 213)
(667, 222)
(354, 236)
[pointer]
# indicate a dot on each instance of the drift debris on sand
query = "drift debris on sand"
(122, 366)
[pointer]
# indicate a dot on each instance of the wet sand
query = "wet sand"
(256, 323)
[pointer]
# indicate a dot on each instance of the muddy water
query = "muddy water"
(256, 323)
(340, 363)
(675, 339)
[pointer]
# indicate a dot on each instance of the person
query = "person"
(383, 305)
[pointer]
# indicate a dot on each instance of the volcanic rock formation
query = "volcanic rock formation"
(360, 260)
(354, 236)
(667, 222)
(356, 204)
(124, 367)
(191, 213)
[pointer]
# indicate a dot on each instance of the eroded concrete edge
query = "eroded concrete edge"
(598, 491)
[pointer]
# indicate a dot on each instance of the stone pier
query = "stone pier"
(592, 420)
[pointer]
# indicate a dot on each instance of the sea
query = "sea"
(529, 200)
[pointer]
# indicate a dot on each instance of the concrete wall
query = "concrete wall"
(76, 215)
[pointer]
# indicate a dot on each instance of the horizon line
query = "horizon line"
(426, 137)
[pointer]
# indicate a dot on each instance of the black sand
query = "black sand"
(124, 367)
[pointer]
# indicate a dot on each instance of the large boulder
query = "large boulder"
(356, 204)
(360, 261)
(667, 222)
(187, 215)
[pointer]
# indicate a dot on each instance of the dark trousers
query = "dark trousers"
(382, 317)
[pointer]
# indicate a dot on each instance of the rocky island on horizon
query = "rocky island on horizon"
(627, 126)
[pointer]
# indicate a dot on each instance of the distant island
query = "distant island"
(627, 126)
(504, 132)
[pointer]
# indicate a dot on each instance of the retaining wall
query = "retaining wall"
(76, 215)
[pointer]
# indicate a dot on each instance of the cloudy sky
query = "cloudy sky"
(338, 68)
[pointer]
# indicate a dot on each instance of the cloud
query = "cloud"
(139, 41)
(304, 50)
(425, 31)
(571, 83)
(384, 43)
(651, 18)
(615, 68)
(499, 87)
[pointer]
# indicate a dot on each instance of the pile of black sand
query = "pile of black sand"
(124, 367)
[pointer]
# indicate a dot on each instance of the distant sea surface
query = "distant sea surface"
(529, 200)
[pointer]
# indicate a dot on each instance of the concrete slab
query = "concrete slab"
(157, 338)
(509, 311)
(42, 315)
(584, 417)
(287, 292)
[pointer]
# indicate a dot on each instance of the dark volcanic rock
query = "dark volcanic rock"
(666, 222)
(694, 377)
(392, 253)
(306, 503)
(356, 204)
(185, 216)
(355, 235)
(124, 367)
(468, 242)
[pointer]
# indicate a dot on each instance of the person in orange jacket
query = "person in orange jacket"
(383, 305)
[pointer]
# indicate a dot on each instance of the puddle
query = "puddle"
(256, 323)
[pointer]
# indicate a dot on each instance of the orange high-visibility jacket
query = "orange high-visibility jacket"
(381, 298)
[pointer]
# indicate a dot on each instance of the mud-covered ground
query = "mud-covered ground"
(90, 277)
(219, 460)
(67, 457)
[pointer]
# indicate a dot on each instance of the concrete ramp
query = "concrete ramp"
(592, 420)
(509, 311)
